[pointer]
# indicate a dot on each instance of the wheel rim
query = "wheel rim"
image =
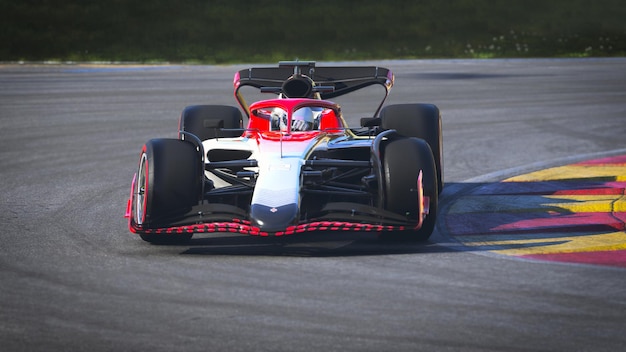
(141, 188)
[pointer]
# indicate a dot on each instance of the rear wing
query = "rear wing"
(302, 79)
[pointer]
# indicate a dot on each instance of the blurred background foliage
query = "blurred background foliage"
(228, 31)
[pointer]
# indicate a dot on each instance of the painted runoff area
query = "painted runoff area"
(574, 214)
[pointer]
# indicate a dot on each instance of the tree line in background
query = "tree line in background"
(220, 31)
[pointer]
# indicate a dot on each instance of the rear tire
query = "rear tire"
(197, 119)
(420, 121)
(402, 161)
(168, 184)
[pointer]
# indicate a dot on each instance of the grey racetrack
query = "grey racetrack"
(72, 278)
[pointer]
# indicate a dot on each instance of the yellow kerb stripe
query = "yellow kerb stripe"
(588, 243)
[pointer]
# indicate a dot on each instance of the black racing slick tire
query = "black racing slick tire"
(204, 121)
(402, 161)
(420, 121)
(167, 186)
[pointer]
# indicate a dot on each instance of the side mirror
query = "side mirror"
(370, 122)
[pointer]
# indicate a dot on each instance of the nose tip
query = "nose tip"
(273, 219)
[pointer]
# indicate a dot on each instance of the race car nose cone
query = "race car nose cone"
(273, 219)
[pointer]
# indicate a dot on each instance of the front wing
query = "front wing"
(225, 218)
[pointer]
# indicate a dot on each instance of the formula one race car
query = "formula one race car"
(296, 166)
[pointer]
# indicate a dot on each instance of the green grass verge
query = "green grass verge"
(241, 31)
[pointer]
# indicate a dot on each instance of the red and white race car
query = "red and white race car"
(296, 166)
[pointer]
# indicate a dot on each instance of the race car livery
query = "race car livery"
(294, 165)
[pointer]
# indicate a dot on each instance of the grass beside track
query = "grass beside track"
(217, 31)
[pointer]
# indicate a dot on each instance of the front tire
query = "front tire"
(402, 161)
(168, 184)
(420, 121)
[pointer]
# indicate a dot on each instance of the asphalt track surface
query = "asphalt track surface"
(72, 278)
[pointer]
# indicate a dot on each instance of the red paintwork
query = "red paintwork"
(244, 227)
(609, 161)
(330, 120)
(129, 207)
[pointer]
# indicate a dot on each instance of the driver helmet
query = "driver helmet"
(278, 120)
(302, 120)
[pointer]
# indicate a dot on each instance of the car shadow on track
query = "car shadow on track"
(314, 244)
(337, 244)
(320, 244)
(531, 213)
